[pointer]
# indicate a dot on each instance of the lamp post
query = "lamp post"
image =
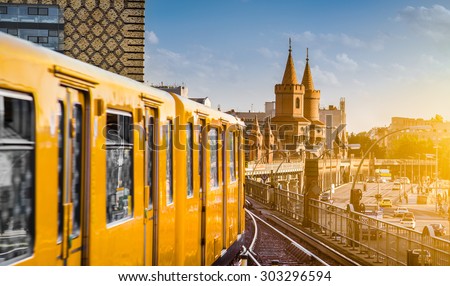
(376, 142)
(436, 177)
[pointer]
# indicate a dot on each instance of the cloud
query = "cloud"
(398, 67)
(151, 38)
(306, 36)
(324, 77)
(352, 42)
(429, 60)
(431, 22)
(376, 44)
(196, 65)
(345, 63)
(268, 54)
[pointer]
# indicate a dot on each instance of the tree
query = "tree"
(409, 145)
(364, 140)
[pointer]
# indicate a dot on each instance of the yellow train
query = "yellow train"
(97, 169)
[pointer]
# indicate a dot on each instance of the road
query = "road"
(424, 213)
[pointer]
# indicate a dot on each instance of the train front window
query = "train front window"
(119, 166)
(214, 155)
(16, 176)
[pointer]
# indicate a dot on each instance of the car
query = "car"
(409, 214)
(374, 233)
(405, 180)
(439, 229)
(397, 186)
(325, 196)
(386, 203)
(423, 257)
(408, 222)
(371, 180)
(400, 211)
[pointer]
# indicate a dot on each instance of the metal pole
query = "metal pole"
(420, 178)
(436, 178)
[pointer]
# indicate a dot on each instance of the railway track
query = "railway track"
(270, 246)
(277, 242)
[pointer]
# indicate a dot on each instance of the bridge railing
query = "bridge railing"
(379, 242)
(286, 202)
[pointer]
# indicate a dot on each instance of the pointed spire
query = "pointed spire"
(307, 80)
(267, 127)
(256, 124)
(290, 76)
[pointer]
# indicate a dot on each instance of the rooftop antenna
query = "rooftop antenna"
(290, 48)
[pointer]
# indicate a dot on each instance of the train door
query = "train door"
(241, 180)
(72, 192)
(150, 197)
(201, 164)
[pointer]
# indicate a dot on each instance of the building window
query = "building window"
(13, 32)
(119, 166)
(17, 207)
(42, 40)
(43, 11)
(33, 39)
(214, 157)
(3, 10)
(169, 163)
(297, 103)
(190, 160)
(32, 10)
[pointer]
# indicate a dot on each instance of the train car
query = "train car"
(91, 174)
(209, 210)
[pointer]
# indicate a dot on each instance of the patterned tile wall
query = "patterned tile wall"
(108, 34)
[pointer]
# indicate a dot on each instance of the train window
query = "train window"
(119, 166)
(60, 168)
(77, 146)
(169, 163)
(189, 159)
(17, 176)
(232, 149)
(200, 153)
(214, 155)
(3, 10)
(150, 157)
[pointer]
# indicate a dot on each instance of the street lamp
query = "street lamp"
(376, 142)
(436, 177)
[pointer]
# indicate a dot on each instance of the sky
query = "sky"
(386, 58)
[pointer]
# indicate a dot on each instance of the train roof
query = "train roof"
(200, 108)
(15, 47)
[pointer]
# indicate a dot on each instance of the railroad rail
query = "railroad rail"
(270, 246)
(306, 243)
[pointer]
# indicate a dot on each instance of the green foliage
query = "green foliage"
(409, 145)
(365, 142)
(438, 118)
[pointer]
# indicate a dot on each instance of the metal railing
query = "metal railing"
(376, 241)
